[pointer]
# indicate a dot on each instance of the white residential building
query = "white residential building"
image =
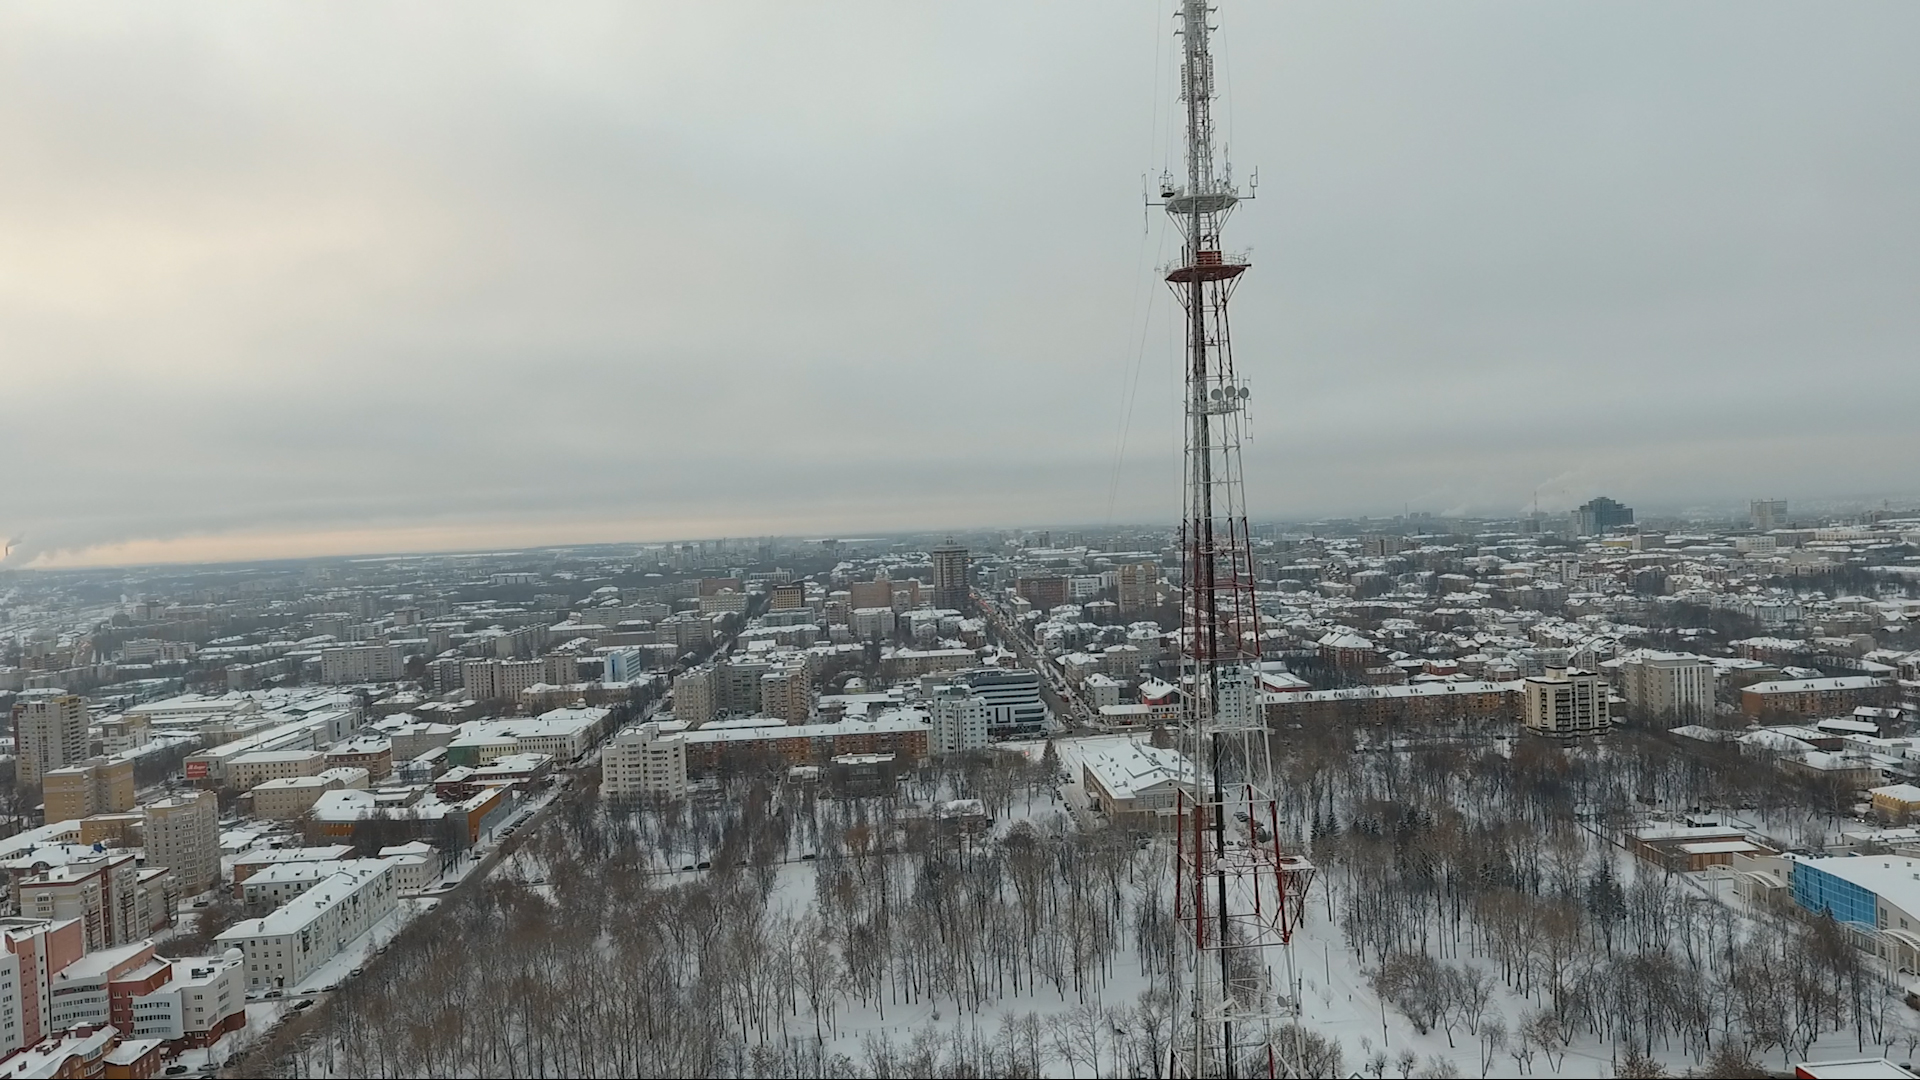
(1667, 686)
(641, 763)
(1102, 689)
(1567, 704)
(286, 947)
(362, 663)
(959, 720)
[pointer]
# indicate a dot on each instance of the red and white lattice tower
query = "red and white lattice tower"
(1238, 894)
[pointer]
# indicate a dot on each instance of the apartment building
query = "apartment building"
(1419, 703)
(641, 763)
(362, 663)
(285, 948)
(787, 693)
(33, 951)
(1816, 697)
(1566, 704)
(98, 785)
(49, 732)
(489, 680)
(903, 733)
(1673, 687)
(1136, 585)
(183, 835)
(950, 589)
(959, 718)
(112, 899)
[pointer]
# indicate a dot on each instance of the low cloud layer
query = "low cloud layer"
(356, 277)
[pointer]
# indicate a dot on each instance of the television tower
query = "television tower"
(1237, 896)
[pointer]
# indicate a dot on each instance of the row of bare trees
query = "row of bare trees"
(902, 948)
(1453, 866)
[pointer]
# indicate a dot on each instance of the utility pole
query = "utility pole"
(1237, 895)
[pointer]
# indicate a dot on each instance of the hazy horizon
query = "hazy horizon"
(357, 279)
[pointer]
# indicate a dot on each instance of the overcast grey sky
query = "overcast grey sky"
(303, 278)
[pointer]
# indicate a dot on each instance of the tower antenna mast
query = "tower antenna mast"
(1238, 896)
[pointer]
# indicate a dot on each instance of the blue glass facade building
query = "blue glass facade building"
(1816, 890)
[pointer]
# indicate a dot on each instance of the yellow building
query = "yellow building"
(1896, 802)
(99, 785)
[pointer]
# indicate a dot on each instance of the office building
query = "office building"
(49, 732)
(1600, 515)
(288, 797)
(1766, 515)
(1012, 696)
(1566, 704)
(183, 835)
(950, 589)
(640, 763)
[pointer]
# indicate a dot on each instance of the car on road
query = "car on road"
(176, 1070)
(272, 994)
(303, 1003)
(357, 972)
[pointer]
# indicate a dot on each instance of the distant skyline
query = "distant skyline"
(349, 279)
(463, 540)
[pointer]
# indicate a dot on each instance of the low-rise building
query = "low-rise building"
(1896, 802)
(373, 753)
(251, 770)
(252, 862)
(1418, 703)
(903, 732)
(285, 948)
(287, 798)
(1132, 783)
(1816, 697)
(416, 865)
